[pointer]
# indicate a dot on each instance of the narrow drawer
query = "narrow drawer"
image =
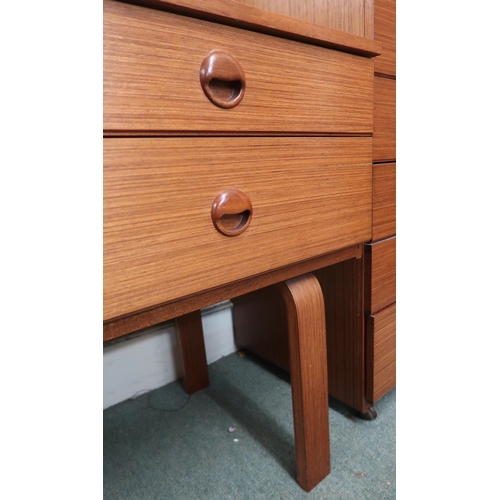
(310, 196)
(381, 353)
(380, 274)
(384, 200)
(385, 33)
(152, 63)
(384, 120)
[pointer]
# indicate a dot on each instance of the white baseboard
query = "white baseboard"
(151, 358)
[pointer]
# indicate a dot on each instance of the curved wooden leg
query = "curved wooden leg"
(308, 370)
(189, 331)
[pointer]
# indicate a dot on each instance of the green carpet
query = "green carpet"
(167, 445)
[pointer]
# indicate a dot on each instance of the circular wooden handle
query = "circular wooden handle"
(222, 79)
(231, 212)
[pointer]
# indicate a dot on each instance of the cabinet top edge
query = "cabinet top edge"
(251, 18)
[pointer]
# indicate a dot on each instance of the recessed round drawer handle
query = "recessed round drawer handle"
(231, 212)
(222, 79)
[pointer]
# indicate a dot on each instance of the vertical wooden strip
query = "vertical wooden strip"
(308, 371)
(369, 19)
(190, 336)
(384, 28)
(384, 201)
(381, 352)
(342, 287)
(384, 119)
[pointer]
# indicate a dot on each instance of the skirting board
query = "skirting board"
(151, 358)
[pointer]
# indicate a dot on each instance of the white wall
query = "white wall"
(151, 358)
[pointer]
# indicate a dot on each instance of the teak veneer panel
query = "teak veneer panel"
(263, 21)
(152, 79)
(342, 286)
(380, 274)
(342, 15)
(381, 353)
(310, 196)
(385, 32)
(384, 200)
(259, 320)
(384, 119)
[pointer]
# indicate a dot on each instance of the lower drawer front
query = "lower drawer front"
(310, 196)
(381, 353)
(380, 274)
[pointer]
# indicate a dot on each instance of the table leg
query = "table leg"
(309, 380)
(190, 336)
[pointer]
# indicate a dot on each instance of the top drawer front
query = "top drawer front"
(151, 78)
(310, 196)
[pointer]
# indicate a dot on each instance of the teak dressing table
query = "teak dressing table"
(237, 155)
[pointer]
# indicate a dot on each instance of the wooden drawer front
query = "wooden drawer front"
(380, 274)
(384, 120)
(310, 196)
(384, 200)
(381, 353)
(152, 78)
(385, 33)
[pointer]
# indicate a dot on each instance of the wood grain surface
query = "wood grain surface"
(309, 196)
(159, 313)
(342, 286)
(259, 321)
(264, 21)
(368, 15)
(342, 15)
(152, 65)
(381, 352)
(385, 32)
(384, 200)
(384, 120)
(380, 274)
(305, 313)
